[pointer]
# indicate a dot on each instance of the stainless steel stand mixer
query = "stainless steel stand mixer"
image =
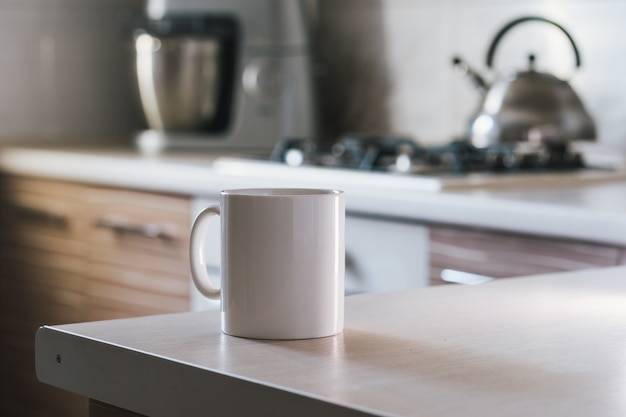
(230, 75)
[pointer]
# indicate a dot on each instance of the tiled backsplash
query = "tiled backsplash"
(382, 65)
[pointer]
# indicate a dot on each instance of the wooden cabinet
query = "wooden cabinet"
(502, 255)
(73, 253)
(137, 253)
(42, 283)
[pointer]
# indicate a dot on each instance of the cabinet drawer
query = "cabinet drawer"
(46, 260)
(45, 215)
(73, 253)
(122, 292)
(140, 229)
(138, 253)
(45, 295)
(501, 255)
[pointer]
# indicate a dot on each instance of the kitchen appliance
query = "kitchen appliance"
(404, 162)
(527, 123)
(223, 74)
(397, 154)
(530, 107)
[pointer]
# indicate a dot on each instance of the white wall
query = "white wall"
(383, 65)
(422, 39)
(64, 69)
(420, 95)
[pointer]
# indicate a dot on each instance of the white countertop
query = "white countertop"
(548, 345)
(593, 210)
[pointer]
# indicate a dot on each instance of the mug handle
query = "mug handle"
(197, 260)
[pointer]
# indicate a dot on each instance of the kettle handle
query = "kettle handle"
(500, 34)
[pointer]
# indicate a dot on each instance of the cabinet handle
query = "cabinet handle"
(148, 230)
(43, 216)
(461, 277)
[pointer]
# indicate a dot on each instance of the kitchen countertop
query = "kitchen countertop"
(593, 210)
(550, 345)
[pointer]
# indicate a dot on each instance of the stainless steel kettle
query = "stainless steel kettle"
(527, 106)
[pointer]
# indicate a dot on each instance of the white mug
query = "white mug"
(282, 263)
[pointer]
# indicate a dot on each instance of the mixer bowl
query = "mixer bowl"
(179, 80)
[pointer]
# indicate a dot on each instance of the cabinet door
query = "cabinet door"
(138, 253)
(382, 255)
(42, 279)
(502, 255)
(73, 253)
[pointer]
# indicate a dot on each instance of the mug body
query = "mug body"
(283, 260)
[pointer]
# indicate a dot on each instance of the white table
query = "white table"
(551, 345)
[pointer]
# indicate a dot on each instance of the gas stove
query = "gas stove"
(403, 155)
(403, 164)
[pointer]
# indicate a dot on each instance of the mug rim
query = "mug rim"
(280, 192)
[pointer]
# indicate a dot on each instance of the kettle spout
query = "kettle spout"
(464, 69)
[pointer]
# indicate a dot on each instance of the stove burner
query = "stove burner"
(403, 155)
(461, 157)
(373, 153)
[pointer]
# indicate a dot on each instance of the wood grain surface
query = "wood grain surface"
(58, 266)
(504, 255)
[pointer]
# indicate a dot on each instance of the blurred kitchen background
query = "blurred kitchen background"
(67, 70)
